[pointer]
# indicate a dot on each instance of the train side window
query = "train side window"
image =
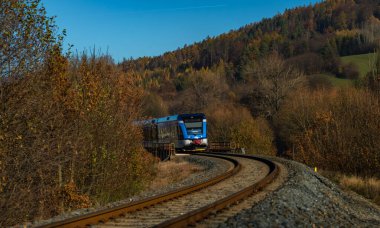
(179, 132)
(145, 133)
(154, 132)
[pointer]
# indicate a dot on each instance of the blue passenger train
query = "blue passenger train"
(186, 131)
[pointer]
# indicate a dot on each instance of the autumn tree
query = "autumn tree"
(200, 89)
(27, 34)
(275, 80)
(67, 137)
(233, 123)
(27, 39)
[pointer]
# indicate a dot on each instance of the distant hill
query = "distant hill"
(311, 37)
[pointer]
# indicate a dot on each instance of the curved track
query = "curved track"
(189, 205)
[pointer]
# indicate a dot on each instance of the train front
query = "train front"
(193, 130)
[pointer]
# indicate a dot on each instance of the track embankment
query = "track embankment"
(297, 197)
(184, 207)
(307, 199)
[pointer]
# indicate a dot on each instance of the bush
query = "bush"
(69, 126)
(349, 71)
(336, 131)
(319, 82)
(235, 124)
(154, 106)
(255, 136)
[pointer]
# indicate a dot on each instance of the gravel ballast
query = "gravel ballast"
(307, 199)
(211, 168)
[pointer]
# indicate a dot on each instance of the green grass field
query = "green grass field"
(362, 61)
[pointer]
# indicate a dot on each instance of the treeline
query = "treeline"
(67, 138)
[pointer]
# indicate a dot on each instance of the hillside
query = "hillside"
(283, 84)
(361, 63)
(311, 36)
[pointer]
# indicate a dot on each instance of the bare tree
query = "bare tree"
(275, 81)
(371, 31)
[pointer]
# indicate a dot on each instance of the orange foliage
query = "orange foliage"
(335, 130)
(72, 199)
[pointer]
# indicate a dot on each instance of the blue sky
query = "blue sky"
(136, 28)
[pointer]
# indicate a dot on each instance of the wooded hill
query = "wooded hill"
(267, 86)
(311, 37)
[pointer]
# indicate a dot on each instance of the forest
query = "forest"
(66, 120)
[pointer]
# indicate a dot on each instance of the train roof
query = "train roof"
(172, 118)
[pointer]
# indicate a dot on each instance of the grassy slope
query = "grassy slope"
(362, 61)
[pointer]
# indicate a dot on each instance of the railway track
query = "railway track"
(188, 205)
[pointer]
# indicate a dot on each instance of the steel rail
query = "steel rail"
(199, 214)
(104, 215)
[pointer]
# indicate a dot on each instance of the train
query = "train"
(188, 132)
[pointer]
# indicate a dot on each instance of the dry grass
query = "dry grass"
(173, 171)
(367, 187)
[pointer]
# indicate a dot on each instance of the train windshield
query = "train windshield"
(193, 127)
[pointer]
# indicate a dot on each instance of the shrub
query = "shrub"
(154, 105)
(235, 124)
(70, 124)
(254, 135)
(319, 82)
(349, 71)
(336, 131)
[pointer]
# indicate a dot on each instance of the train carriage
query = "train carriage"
(188, 132)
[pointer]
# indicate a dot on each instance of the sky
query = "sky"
(137, 28)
